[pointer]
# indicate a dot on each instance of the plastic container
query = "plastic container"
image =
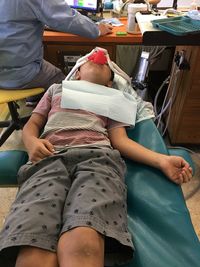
(178, 26)
(108, 5)
(132, 26)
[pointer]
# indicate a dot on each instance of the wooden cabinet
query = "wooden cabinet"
(62, 55)
(184, 123)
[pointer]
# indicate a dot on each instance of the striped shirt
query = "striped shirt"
(69, 127)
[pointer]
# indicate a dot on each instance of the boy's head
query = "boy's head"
(95, 73)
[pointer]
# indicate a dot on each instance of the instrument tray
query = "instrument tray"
(178, 26)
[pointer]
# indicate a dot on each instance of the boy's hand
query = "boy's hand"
(39, 149)
(176, 169)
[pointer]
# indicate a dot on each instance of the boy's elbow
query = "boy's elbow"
(118, 138)
(114, 145)
(117, 144)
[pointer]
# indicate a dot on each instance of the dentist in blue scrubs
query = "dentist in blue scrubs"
(22, 24)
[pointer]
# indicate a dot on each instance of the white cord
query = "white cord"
(164, 108)
(174, 91)
(157, 95)
(168, 105)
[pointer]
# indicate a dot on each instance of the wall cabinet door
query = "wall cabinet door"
(184, 123)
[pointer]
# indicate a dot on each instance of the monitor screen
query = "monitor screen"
(85, 5)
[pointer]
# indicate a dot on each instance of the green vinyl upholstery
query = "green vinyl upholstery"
(158, 217)
(10, 162)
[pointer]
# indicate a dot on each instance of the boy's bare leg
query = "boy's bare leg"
(36, 257)
(81, 247)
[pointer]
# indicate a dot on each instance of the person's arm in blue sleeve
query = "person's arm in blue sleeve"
(59, 16)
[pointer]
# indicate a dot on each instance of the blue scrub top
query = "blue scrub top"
(21, 29)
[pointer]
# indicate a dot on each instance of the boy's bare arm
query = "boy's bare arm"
(37, 148)
(175, 168)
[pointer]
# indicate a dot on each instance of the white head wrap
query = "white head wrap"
(111, 64)
(121, 82)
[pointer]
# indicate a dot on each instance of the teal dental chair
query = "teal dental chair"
(158, 217)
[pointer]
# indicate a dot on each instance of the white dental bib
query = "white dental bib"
(117, 105)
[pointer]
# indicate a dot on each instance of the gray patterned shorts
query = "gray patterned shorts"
(78, 187)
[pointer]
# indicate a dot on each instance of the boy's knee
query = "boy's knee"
(85, 250)
(82, 242)
(32, 256)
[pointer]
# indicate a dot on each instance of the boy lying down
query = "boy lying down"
(70, 210)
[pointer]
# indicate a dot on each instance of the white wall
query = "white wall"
(168, 3)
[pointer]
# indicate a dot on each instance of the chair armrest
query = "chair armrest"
(158, 216)
(10, 162)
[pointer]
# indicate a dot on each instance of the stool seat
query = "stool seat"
(9, 95)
